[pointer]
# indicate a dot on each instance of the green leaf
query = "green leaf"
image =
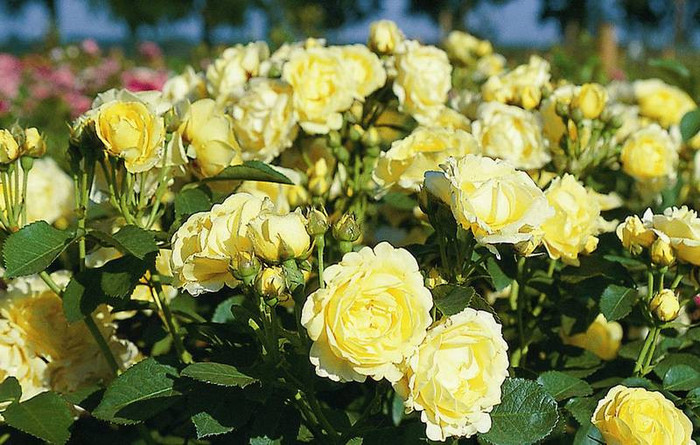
(130, 240)
(672, 360)
(191, 201)
(617, 301)
(526, 414)
(251, 171)
(10, 390)
(681, 378)
(690, 124)
(222, 313)
(211, 410)
(217, 374)
(141, 392)
(33, 248)
(582, 409)
(46, 416)
(452, 299)
(399, 201)
(588, 435)
(672, 66)
(563, 386)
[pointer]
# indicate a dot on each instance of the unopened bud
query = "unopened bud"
(270, 283)
(356, 132)
(34, 144)
(662, 253)
(9, 149)
(356, 111)
(665, 305)
(245, 266)
(318, 222)
(334, 139)
(577, 115)
(562, 109)
(346, 228)
(371, 137)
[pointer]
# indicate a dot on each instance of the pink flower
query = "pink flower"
(144, 79)
(90, 47)
(150, 51)
(10, 76)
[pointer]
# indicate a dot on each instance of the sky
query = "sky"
(515, 23)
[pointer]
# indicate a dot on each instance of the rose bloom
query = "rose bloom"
(447, 118)
(264, 120)
(423, 78)
(520, 86)
(227, 75)
(466, 49)
(487, 66)
(498, 203)
(188, 85)
(638, 416)
(130, 130)
(285, 197)
(650, 154)
(680, 227)
(591, 99)
(662, 102)
(636, 234)
(277, 238)
(323, 88)
(384, 36)
(50, 194)
(403, 166)
(512, 134)
(603, 338)
(553, 125)
(366, 70)
(9, 148)
(74, 359)
(21, 362)
(371, 315)
(454, 378)
(208, 133)
(204, 245)
(576, 221)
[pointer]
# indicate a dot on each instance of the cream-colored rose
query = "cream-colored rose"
(189, 85)
(323, 88)
(367, 72)
(636, 234)
(21, 362)
(454, 378)
(553, 125)
(228, 74)
(73, 357)
(520, 86)
(466, 49)
(371, 315)
(665, 305)
(576, 221)
(133, 132)
(681, 228)
(277, 238)
(603, 338)
(662, 102)
(446, 118)
(284, 197)
(638, 416)
(661, 253)
(264, 120)
(512, 134)
(208, 134)
(34, 144)
(403, 166)
(591, 99)
(487, 66)
(498, 203)
(384, 36)
(423, 78)
(9, 149)
(650, 154)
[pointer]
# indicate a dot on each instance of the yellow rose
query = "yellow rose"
(189, 85)
(487, 66)
(34, 144)
(576, 220)
(665, 305)
(323, 88)
(20, 361)
(131, 131)
(405, 163)
(650, 154)
(636, 234)
(208, 132)
(9, 149)
(520, 86)
(384, 36)
(73, 358)
(553, 124)
(227, 75)
(370, 316)
(603, 338)
(498, 203)
(512, 134)
(284, 197)
(454, 378)
(423, 78)
(465, 49)
(591, 100)
(366, 70)
(661, 253)
(638, 416)
(264, 121)
(277, 238)
(445, 118)
(662, 102)
(681, 228)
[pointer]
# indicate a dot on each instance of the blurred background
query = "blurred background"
(56, 55)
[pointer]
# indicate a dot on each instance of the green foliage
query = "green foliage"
(192, 200)
(129, 240)
(563, 386)
(217, 374)
(617, 301)
(10, 390)
(46, 416)
(451, 299)
(33, 248)
(681, 378)
(690, 124)
(251, 171)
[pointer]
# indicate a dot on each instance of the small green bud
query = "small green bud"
(334, 139)
(577, 115)
(356, 132)
(346, 228)
(371, 137)
(270, 283)
(562, 109)
(318, 222)
(245, 266)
